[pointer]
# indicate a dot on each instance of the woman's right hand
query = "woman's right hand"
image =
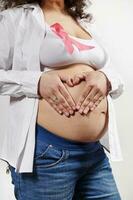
(50, 85)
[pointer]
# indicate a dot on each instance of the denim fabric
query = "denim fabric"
(66, 174)
(43, 134)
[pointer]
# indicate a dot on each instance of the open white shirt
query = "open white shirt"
(22, 30)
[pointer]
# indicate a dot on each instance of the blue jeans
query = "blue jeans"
(66, 174)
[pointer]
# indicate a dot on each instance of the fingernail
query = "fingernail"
(66, 113)
(71, 112)
(81, 110)
(85, 112)
(78, 107)
(74, 107)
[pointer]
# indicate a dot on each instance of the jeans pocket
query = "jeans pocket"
(47, 155)
(41, 149)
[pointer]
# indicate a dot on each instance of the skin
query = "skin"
(96, 82)
(77, 127)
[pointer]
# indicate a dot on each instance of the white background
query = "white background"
(114, 21)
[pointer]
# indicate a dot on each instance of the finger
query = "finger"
(51, 102)
(58, 105)
(86, 110)
(99, 100)
(68, 100)
(92, 105)
(77, 78)
(64, 110)
(96, 101)
(83, 96)
(69, 82)
(85, 104)
(94, 97)
(62, 102)
(89, 100)
(63, 78)
(66, 79)
(93, 100)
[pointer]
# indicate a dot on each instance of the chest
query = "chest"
(70, 25)
(58, 49)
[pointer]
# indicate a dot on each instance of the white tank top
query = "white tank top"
(59, 49)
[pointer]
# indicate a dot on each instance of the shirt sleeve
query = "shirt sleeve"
(14, 83)
(116, 81)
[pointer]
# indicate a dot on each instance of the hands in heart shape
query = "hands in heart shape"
(96, 88)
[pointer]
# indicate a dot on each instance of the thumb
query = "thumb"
(66, 79)
(78, 78)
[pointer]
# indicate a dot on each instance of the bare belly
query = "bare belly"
(77, 127)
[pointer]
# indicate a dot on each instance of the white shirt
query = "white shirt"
(22, 30)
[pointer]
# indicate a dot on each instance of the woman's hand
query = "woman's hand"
(50, 86)
(94, 91)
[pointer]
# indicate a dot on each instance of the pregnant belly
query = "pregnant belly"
(77, 127)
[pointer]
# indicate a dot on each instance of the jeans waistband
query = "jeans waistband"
(47, 136)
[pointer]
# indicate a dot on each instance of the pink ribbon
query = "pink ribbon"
(58, 29)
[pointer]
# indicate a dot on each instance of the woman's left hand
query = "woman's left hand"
(94, 91)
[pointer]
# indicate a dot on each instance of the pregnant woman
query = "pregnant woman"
(66, 103)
